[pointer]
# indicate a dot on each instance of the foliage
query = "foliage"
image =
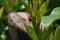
(42, 25)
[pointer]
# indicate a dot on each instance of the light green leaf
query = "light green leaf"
(48, 20)
(57, 33)
(31, 32)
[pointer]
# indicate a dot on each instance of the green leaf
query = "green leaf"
(48, 20)
(36, 27)
(40, 2)
(35, 6)
(41, 12)
(42, 9)
(31, 32)
(1, 12)
(57, 33)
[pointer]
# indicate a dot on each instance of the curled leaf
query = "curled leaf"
(48, 20)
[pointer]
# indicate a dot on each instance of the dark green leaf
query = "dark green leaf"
(57, 33)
